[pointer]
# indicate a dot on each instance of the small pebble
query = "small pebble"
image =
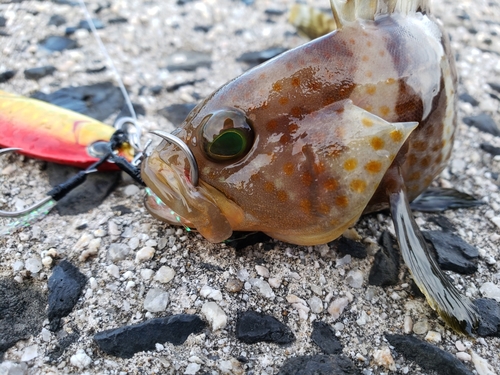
(29, 353)
(460, 346)
(481, 365)
(165, 274)
(337, 307)
(408, 324)
(80, 359)
(234, 285)
(316, 305)
(464, 357)
(262, 271)
(383, 357)
(146, 273)
(355, 279)
(215, 316)
(433, 336)
(192, 369)
(421, 327)
(131, 190)
(209, 292)
(144, 254)
(34, 265)
(489, 290)
(156, 300)
(113, 270)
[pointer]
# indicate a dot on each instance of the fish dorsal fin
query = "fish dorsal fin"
(351, 10)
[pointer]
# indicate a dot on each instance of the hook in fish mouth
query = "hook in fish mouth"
(193, 172)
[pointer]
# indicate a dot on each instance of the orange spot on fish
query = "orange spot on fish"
(307, 179)
(285, 138)
(396, 135)
(324, 208)
(377, 143)
(367, 122)
(358, 186)
(412, 159)
(426, 161)
(371, 89)
(292, 128)
(282, 195)
(288, 168)
(352, 41)
(350, 164)
(369, 74)
(272, 125)
(369, 43)
(365, 58)
(305, 205)
(381, 53)
(373, 166)
(419, 146)
(268, 187)
(342, 201)
(384, 110)
(296, 112)
(277, 86)
(330, 184)
(283, 100)
(390, 81)
(295, 81)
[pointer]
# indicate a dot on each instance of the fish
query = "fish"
(356, 121)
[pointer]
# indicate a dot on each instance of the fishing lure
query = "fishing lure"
(300, 147)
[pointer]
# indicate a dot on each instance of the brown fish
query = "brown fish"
(300, 147)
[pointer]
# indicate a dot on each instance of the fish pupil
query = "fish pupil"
(229, 144)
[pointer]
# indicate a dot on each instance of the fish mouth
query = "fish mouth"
(177, 200)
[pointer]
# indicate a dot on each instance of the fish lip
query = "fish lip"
(184, 203)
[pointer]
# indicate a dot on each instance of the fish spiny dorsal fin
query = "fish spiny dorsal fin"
(351, 10)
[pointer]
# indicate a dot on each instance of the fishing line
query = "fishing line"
(135, 137)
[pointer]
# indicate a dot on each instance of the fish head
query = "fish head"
(302, 177)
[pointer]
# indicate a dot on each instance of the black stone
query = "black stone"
(57, 20)
(274, 12)
(453, 253)
(121, 209)
(65, 287)
(182, 84)
(258, 57)
(97, 24)
(495, 86)
(7, 75)
(490, 149)
(156, 90)
(125, 341)
(125, 111)
(467, 98)
(253, 327)
(117, 20)
(188, 61)
(39, 72)
(96, 70)
(22, 312)
(203, 29)
(98, 101)
(323, 335)
(318, 365)
(484, 123)
(489, 317)
(177, 113)
(88, 195)
(3, 21)
(385, 269)
(58, 43)
(443, 222)
(437, 199)
(346, 246)
(427, 356)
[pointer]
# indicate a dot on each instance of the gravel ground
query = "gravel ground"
(115, 293)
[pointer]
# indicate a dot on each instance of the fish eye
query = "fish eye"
(227, 135)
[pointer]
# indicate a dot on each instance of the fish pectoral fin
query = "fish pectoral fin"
(454, 308)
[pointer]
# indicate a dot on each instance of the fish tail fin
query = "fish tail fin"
(351, 10)
(456, 309)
